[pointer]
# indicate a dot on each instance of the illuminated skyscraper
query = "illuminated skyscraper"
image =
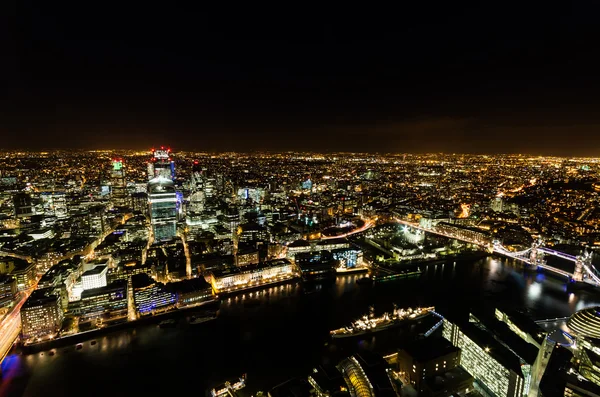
(119, 194)
(161, 164)
(163, 208)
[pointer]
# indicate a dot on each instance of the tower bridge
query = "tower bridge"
(584, 270)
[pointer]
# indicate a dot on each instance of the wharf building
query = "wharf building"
(150, 296)
(108, 302)
(41, 315)
(501, 362)
(162, 200)
(464, 233)
(316, 265)
(191, 292)
(250, 276)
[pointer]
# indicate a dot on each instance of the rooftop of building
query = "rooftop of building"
(114, 286)
(21, 266)
(333, 241)
(501, 331)
(586, 322)
(525, 324)
(96, 270)
(374, 367)
(141, 280)
(249, 268)
(448, 380)
(330, 380)
(40, 297)
(6, 279)
(429, 349)
(190, 285)
(486, 341)
(292, 388)
(299, 243)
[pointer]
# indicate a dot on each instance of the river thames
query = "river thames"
(275, 334)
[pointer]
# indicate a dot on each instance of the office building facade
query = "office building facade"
(41, 315)
(162, 200)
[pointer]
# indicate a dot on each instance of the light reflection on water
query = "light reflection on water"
(276, 333)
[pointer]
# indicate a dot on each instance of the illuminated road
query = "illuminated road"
(11, 326)
(368, 224)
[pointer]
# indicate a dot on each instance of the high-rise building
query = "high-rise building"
(497, 204)
(119, 194)
(161, 164)
(163, 208)
(23, 205)
(41, 314)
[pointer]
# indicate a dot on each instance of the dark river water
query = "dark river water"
(274, 336)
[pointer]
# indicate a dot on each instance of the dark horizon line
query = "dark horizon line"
(270, 151)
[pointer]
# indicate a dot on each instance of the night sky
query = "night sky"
(424, 78)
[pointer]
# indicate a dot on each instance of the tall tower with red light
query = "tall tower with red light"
(161, 164)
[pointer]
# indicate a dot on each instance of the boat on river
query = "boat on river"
(369, 323)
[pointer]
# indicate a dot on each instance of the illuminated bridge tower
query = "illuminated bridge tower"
(581, 261)
(536, 257)
(162, 200)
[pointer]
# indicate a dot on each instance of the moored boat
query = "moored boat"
(369, 323)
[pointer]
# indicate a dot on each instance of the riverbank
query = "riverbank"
(95, 333)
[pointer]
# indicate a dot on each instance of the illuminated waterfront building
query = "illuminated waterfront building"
(347, 258)
(251, 276)
(463, 233)
(150, 296)
(108, 302)
(41, 314)
(191, 292)
(163, 208)
(316, 264)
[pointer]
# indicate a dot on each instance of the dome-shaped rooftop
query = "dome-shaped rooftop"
(586, 322)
